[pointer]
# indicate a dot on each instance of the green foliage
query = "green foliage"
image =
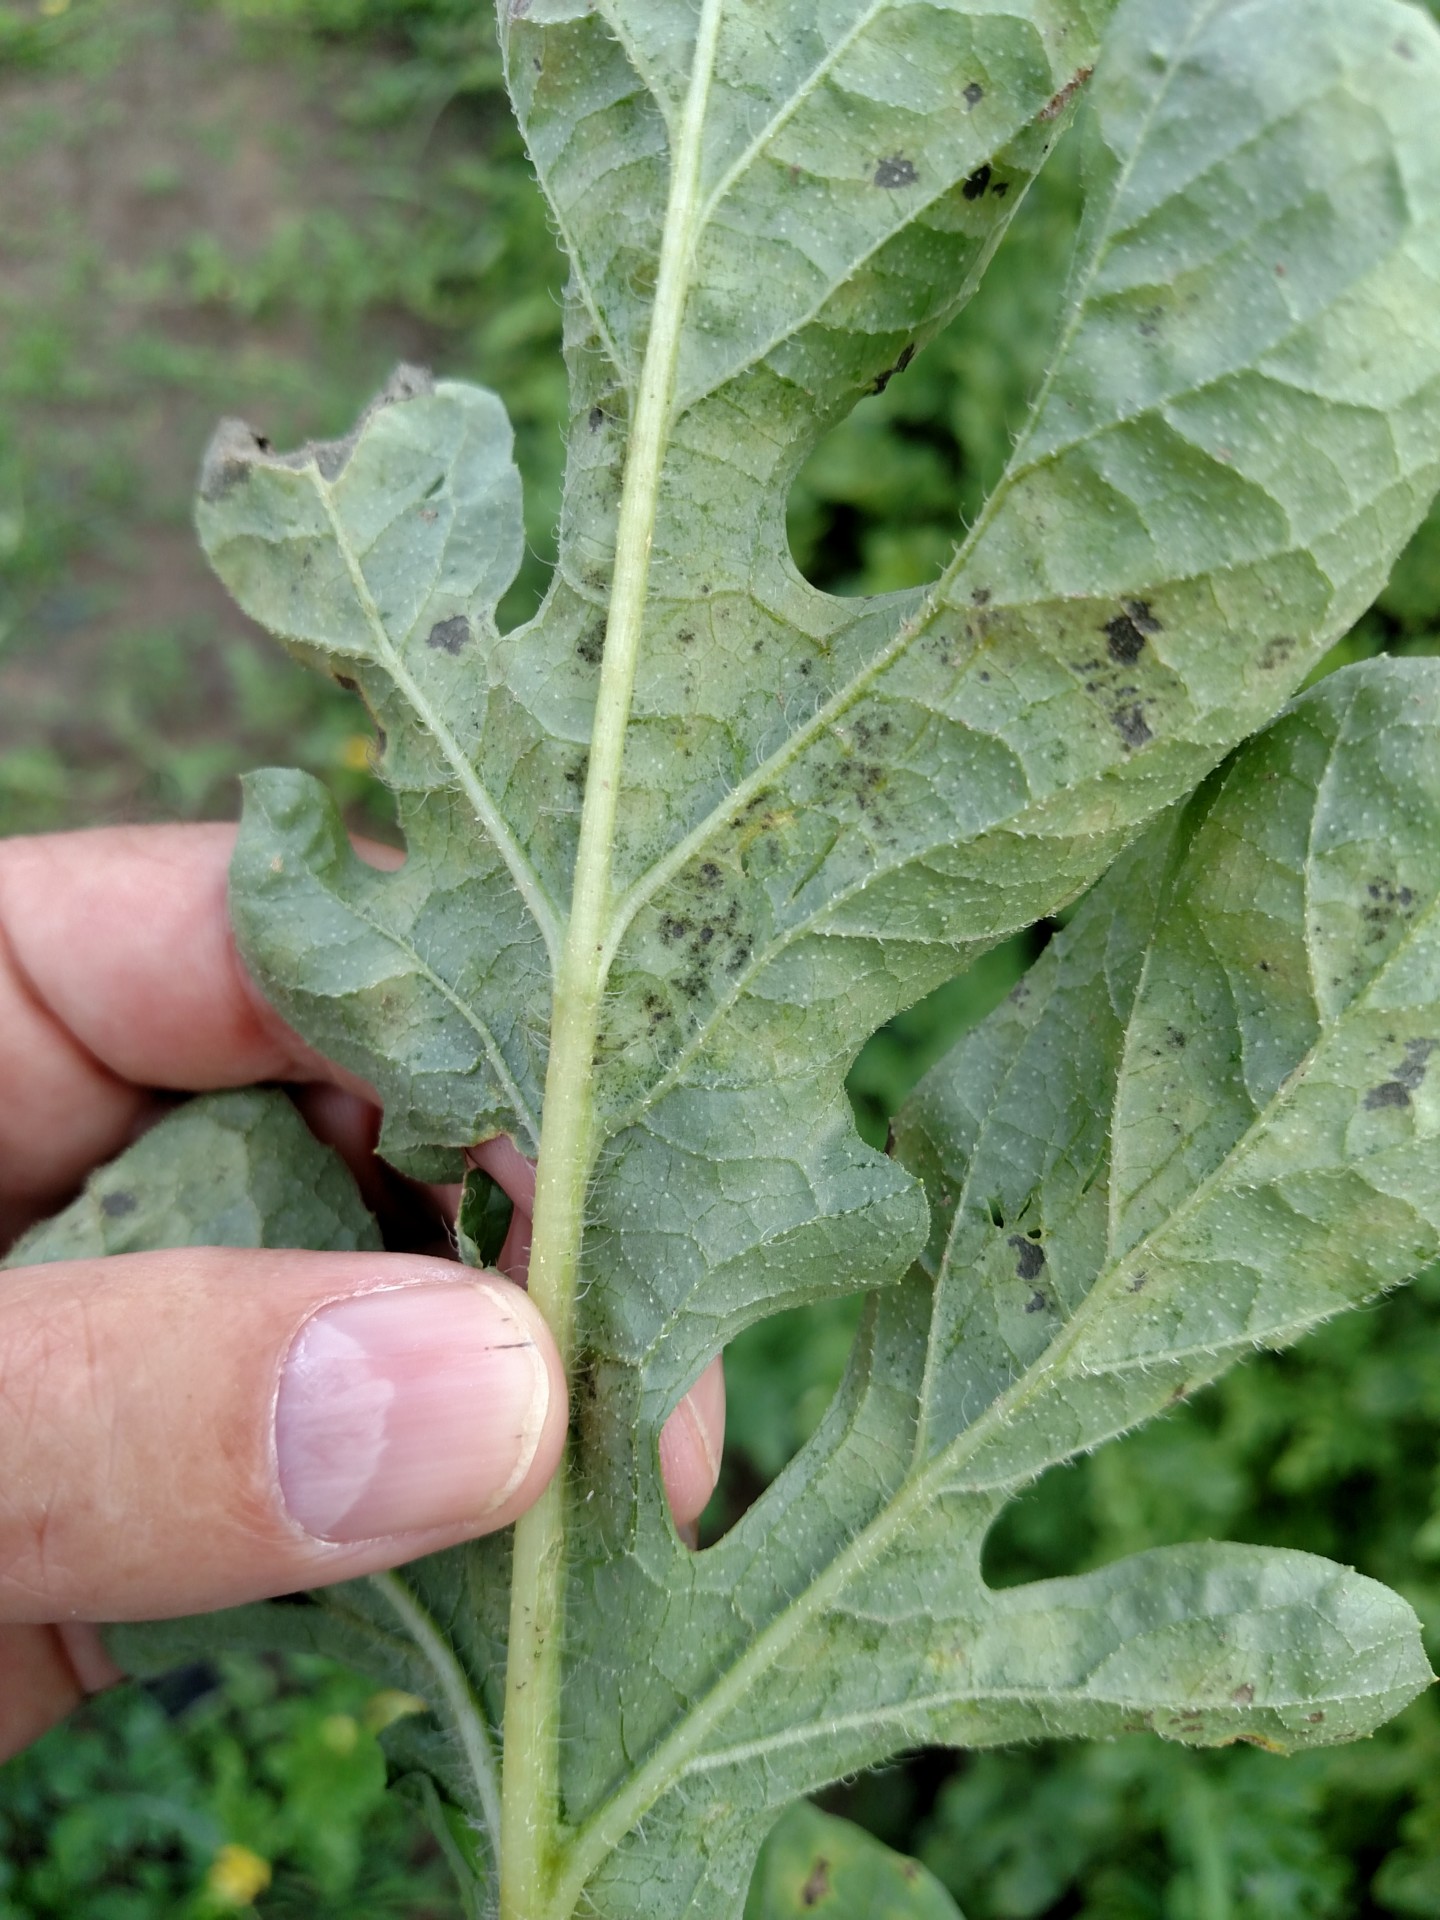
(270, 1775)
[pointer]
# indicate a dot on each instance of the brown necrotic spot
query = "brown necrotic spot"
(817, 1883)
(450, 636)
(897, 171)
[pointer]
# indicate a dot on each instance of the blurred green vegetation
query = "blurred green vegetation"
(256, 206)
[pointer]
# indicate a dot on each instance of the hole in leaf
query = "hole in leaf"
(884, 498)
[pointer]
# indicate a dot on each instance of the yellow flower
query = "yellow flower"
(356, 751)
(237, 1875)
(389, 1705)
(340, 1731)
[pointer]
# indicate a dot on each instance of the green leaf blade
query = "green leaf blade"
(227, 1170)
(814, 1863)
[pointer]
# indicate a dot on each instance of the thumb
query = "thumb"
(201, 1427)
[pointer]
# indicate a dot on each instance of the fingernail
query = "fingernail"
(420, 1407)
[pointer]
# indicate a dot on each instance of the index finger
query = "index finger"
(119, 977)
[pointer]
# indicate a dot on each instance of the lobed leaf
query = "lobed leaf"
(814, 809)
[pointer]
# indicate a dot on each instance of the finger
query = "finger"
(45, 1672)
(119, 973)
(691, 1444)
(204, 1426)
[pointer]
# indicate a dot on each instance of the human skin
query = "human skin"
(193, 1429)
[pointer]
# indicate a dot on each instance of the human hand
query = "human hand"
(202, 1427)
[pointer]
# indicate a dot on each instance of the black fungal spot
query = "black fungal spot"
(596, 418)
(707, 934)
(981, 596)
(1137, 1285)
(1276, 652)
(709, 874)
(1029, 1259)
(1125, 634)
(977, 183)
(1174, 1038)
(115, 1206)
(450, 636)
(1408, 1076)
(1390, 1093)
(897, 171)
(1387, 904)
(672, 929)
(974, 94)
(882, 380)
(1132, 727)
(1037, 1303)
(591, 646)
(686, 636)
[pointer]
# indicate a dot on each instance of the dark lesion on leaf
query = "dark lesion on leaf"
(450, 636)
(115, 1206)
(1126, 634)
(1058, 102)
(897, 171)
(1132, 726)
(1407, 1079)
(977, 183)
(882, 380)
(973, 95)
(1029, 1258)
(1387, 902)
(235, 448)
(817, 1883)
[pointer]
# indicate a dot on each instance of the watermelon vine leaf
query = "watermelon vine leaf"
(677, 846)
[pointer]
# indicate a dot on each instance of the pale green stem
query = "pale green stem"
(530, 1813)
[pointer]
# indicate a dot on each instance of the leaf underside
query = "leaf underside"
(1206, 1121)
